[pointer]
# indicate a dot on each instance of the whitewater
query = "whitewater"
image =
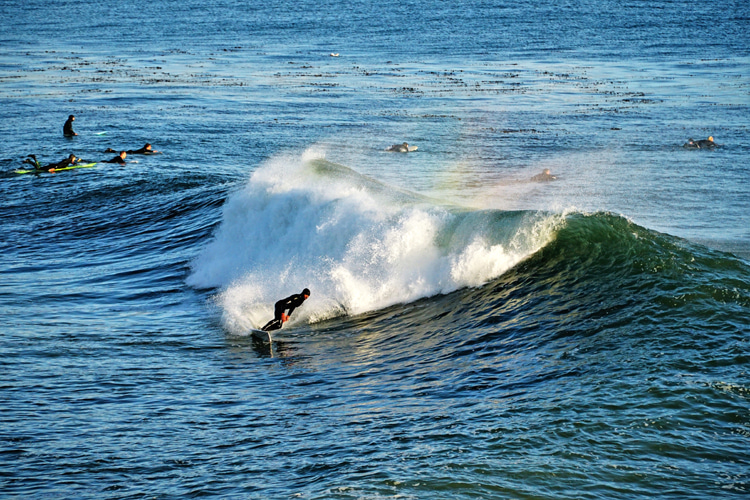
(471, 333)
(306, 222)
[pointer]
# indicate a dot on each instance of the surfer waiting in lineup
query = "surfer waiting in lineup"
(68, 127)
(288, 304)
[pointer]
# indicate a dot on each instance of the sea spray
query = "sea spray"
(358, 244)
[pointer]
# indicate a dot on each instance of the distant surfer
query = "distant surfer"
(119, 159)
(68, 127)
(401, 148)
(145, 150)
(702, 144)
(545, 176)
(283, 309)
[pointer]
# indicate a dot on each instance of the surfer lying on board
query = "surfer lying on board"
(702, 144)
(119, 159)
(545, 176)
(401, 148)
(288, 304)
(145, 150)
(70, 160)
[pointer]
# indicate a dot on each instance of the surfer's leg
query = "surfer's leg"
(274, 324)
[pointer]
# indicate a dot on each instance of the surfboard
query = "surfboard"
(261, 335)
(35, 171)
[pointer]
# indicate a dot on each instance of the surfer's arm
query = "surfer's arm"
(289, 308)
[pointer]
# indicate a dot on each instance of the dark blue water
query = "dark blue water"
(470, 333)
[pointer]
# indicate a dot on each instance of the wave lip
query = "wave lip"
(358, 244)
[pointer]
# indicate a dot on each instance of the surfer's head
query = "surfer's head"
(71, 118)
(711, 138)
(306, 293)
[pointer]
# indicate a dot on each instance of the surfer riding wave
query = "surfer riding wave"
(284, 308)
(366, 245)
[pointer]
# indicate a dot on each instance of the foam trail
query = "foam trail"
(358, 244)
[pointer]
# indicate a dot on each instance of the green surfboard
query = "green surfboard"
(72, 167)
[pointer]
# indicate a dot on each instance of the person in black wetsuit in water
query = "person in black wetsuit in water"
(290, 303)
(145, 150)
(119, 159)
(68, 127)
(67, 162)
(702, 144)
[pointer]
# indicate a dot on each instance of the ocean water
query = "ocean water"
(470, 333)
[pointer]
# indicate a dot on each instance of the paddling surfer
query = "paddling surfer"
(119, 159)
(401, 148)
(283, 309)
(545, 176)
(701, 144)
(145, 150)
(67, 162)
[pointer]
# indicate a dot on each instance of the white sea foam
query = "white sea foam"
(357, 244)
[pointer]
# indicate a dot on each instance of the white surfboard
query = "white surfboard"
(261, 335)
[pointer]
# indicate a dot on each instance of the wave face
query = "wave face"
(358, 244)
(601, 272)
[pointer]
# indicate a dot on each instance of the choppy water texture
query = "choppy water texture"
(470, 334)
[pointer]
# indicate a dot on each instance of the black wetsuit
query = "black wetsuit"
(116, 159)
(53, 166)
(705, 143)
(543, 177)
(68, 128)
(291, 303)
(142, 151)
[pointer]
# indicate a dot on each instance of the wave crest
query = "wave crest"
(358, 244)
